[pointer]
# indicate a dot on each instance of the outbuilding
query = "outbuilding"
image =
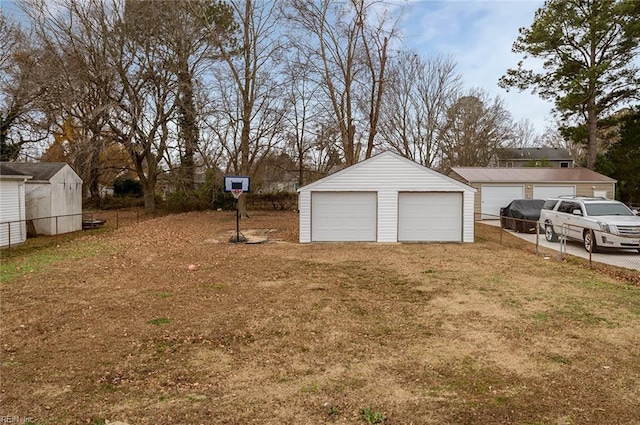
(53, 197)
(497, 187)
(386, 198)
(12, 208)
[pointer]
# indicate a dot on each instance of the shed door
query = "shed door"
(430, 217)
(544, 192)
(343, 216)
(13, 227)
(496, 197)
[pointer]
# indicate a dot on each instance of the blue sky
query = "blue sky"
(478, 34)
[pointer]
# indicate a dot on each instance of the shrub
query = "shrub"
(127, 187)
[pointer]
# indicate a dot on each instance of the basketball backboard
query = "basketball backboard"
(236, 182)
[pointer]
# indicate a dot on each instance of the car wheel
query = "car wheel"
(589, 239)
(549, 234)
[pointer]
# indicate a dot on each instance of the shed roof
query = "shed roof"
(38, 170)
(530, 174)
(553, 154)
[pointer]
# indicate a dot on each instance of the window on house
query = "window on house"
(509, 164)
(564, 165)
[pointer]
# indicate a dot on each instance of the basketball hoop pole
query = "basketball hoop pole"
(237, 222)
(237, 185)
(236, 194)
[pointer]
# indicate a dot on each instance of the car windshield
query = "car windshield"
(597, 209)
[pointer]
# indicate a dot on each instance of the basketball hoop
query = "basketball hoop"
(236, 193)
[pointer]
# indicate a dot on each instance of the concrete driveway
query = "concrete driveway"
(629, 259)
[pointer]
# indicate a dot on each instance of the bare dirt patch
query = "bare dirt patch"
(113, 326)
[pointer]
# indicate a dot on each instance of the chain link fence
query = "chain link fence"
(51, 229)
(568, 242)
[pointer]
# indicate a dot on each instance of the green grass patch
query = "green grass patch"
(159, 321)
(9, 270)
(310, 389)
(371, 416)
(38, 259)
(541, 317)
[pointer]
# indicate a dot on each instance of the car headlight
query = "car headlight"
(609, 228)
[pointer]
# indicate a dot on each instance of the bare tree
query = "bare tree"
(375, 31)
(20, 89)
(250, 94)
(349, 43)
(302, 112)
(179, 27)
(420, 93)
(476, 126)
(78, 81)
(524, 134)
(553, 137)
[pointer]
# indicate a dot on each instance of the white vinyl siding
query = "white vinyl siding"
(548, 191)
(387, 175)
(495, 197)
(12, 216)
(430, 217)
(343, 216)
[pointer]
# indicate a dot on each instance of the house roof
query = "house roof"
(38, 170)
(528, 154)
(382, 156)
(530, 174)
(6, 170)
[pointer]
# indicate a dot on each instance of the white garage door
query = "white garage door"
(496, 197)
(544, 192)
(343, 216)
(429, 217)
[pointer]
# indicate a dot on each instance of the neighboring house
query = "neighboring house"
(12, 206)
(53, 198)
(532, 157)
(386, 198)
(497, 187)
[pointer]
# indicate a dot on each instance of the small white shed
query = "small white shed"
(386, 198)
(12, 208)
(53, 198)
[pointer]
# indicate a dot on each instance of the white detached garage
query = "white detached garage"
(386, 198)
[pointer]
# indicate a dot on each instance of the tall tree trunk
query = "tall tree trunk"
(592, 134)
(188, 124)
(376, 96)
(149, 197)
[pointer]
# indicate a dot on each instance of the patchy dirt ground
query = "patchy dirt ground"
(113, 326)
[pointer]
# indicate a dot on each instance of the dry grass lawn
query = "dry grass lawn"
(112, 326)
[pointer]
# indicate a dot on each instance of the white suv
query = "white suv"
(597, 222)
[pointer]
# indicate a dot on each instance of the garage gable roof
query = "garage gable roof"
(399, 161)
(530, 174)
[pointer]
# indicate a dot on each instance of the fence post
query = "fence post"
(56, 225)
(593, 241)
(9, 235)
